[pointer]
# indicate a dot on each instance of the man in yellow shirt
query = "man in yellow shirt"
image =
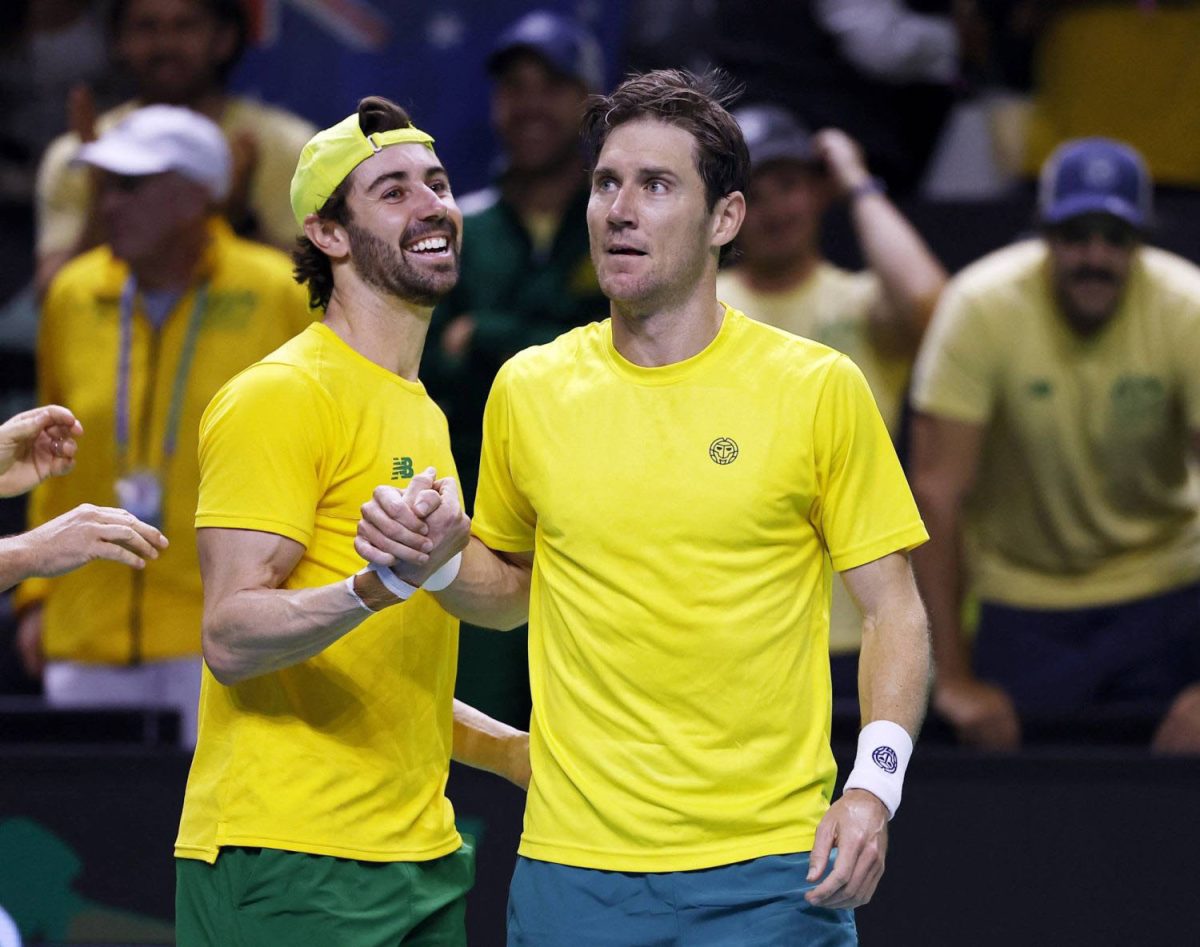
(1056, 442)
(875, 316)
(315, 810)
(175, 52)
(668, 493)
(137, 335)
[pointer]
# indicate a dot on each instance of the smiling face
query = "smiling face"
(536, 113)
(1090, 260)
(176, 50)
(405, 229)
(653, 235)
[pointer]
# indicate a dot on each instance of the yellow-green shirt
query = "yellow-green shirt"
(832, 306)
(107, 612)
(683, 521)
(1086, 492)
(346, 753)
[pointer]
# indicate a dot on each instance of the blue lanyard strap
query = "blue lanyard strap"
(182, 370)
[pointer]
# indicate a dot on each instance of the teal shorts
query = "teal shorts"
(263, 897)
(758, 902)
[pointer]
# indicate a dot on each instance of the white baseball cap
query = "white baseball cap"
(161, 138)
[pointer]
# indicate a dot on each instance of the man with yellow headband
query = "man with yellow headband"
(315, 810)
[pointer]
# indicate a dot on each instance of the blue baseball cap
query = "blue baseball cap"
(773, 134)
(1095, 176)
(562, 42)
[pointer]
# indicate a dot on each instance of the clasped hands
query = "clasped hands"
(414, 530)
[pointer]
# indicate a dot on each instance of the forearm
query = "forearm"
(256, 631)
(485, 743)
(911, 276)
(491, 590)
(939, 575)
(18, 561)
(895, 665)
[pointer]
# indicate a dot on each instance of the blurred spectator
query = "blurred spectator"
(526, 276)
(176, 52)
(876, 316)
(1058, 425)
(138, 335)
(883, 70)
(1128, 70)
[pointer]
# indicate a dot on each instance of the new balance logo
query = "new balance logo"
(402, 468)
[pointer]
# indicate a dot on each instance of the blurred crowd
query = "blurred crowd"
(1045, 397)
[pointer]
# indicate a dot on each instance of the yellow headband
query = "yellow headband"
(332, 154)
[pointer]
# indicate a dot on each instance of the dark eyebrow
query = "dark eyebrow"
(401, 176)
(641, 173)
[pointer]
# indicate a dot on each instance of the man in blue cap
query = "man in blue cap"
(1058, 426)
(526, 275)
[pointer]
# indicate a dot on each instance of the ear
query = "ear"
(328, 236)
(727, 217)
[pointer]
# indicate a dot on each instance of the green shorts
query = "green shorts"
(263, 897)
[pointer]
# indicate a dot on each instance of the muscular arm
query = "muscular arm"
(945, 463)
(251, 626)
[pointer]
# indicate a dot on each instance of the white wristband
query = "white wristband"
(445, 574)
(396, 585)
(358, 598)
(884, 749)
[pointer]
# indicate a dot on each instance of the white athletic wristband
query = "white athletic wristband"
(354, 594)
(396, 585)
(445, 574)
(884, 749)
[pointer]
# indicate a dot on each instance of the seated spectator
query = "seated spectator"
(40, 443)
(177, 52)
(138, 335)
(526, 276)
(1058, 425)
(875, 316)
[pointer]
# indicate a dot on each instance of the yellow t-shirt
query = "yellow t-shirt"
(63, 191)
(347, 753)
(683, 521)
(833, 306)
(1086, 493)
(107, 612)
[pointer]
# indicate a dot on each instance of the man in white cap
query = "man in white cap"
(1058, 427)
(137, 335)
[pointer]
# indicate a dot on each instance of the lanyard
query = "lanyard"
(184, 366)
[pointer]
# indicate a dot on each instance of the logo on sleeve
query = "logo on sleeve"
(723, 450)
(885, 758)
(402, 468)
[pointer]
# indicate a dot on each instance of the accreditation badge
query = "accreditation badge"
(141, 493)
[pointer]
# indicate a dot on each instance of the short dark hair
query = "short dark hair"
(311, 265)
(696, 103)
(225, 12)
